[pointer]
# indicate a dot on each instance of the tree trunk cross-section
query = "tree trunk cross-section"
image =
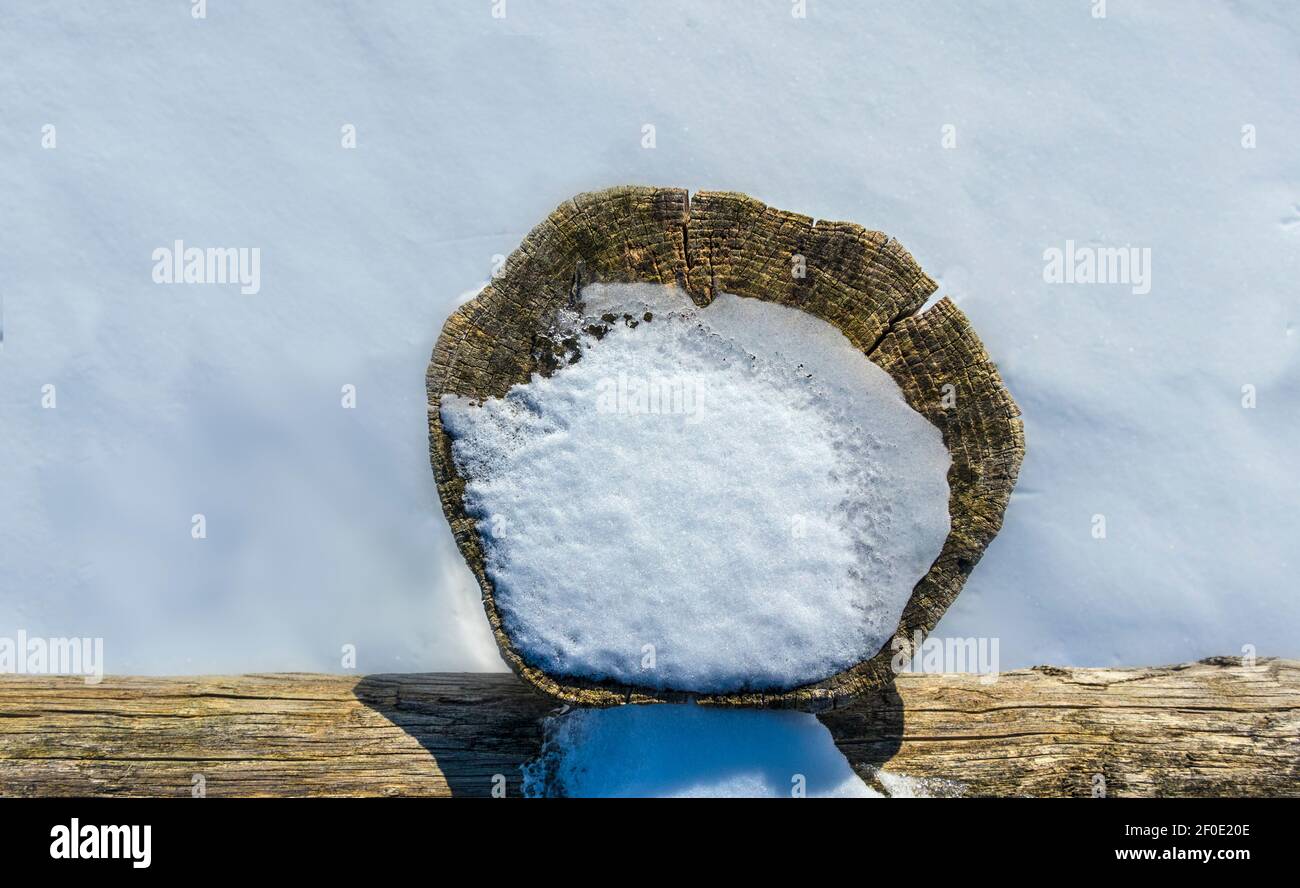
(862, 282)
(1210, 728)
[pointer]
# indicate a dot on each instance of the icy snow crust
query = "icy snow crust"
(711, 500)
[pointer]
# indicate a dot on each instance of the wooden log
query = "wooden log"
(862, 282)
(1210, 728)
(1213, 728)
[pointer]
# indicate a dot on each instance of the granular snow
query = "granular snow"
(703, 499)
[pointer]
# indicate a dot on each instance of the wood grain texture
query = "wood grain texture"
(267, 735)
(1212, 728)
(863, 282)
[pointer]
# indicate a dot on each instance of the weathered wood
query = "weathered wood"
(1213, 728)
(862, 282)
(267, 735)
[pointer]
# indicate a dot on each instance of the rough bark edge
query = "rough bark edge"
(861, 281)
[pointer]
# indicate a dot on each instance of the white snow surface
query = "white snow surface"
(688, 750)
(323, 523)
(715, 499)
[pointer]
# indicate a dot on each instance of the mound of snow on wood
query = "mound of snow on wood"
(708, 499)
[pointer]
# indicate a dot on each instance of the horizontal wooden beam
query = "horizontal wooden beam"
(1213, 728)
(1210, 728)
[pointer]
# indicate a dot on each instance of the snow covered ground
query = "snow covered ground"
(981, 135)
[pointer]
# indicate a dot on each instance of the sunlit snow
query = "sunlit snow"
(708, 500)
